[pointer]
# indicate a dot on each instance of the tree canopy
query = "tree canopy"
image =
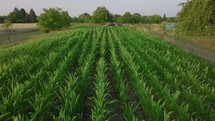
(21, 16)
(102, 15)
(32, 16)
(197, 17)
(2, 19)
(84, 18)
(154, 19)
(53, 19)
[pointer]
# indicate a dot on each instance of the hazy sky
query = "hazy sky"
(77, 7)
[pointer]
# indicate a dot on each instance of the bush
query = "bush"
(197, 17)
(53, 19)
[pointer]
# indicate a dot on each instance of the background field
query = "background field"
(22, 33)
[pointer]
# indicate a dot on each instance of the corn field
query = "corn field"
(99, 73)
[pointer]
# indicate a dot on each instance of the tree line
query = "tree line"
(56, 18)
(20, 16)
(102, 15)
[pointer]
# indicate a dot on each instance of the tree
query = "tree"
(2, 19)
(115, 17)
(53, 19)
(23, 15)
(65, 19)
(144, 19)
(8, 28)
(74, 19)
(102, 15)
(127, 17)
(196, 17)
(84, 18)
(18, 16)
(171, 19)
(164, 17)
(154, 19)
(32, 16)
(136, 18)
(120, 20)
(14, 16)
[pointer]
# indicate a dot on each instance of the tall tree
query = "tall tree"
(23, 15)
(102, 15)
(14, 16)
(136, 18)
(16, 10)
(164, 17)
(32, 16)
(2, 19)
(127, 17)
(18, 16)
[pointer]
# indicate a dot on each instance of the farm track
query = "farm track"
(194, 47)
(104, 73)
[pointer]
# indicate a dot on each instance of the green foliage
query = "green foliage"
(102, 15)
(100, 100)
(136, 18)
(171, 19)
(53, 19)
(84, 18)
(154, 19)
(21, 16)
(197, 17)
(2, 18)
(119, 20)
(74, 19)
(32, 16)
(127, 17)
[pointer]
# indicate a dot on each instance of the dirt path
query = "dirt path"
(192, 47)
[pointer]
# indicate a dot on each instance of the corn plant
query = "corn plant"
(153, 108)
(100, 100)
(52, 78)
(128, 110)
(134, 46)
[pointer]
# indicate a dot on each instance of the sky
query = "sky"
(77, 7)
